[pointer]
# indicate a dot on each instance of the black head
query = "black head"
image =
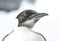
(29, 15)
(24, 15)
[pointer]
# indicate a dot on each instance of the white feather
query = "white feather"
(24, 34)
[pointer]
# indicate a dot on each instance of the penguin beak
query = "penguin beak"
(42, 14)
(39, 15)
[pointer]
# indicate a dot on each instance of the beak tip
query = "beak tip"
(45, 14)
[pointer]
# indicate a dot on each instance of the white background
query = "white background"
(49, 25)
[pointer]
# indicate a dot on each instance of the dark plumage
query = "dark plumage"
(26, 14)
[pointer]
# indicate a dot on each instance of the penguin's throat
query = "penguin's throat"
(24, 27)
(28, 24)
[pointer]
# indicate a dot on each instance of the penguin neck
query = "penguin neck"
(25, 27)
(28, 24)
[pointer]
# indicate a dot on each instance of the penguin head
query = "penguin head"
(29, 17)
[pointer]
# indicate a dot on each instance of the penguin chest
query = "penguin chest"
(24, 35)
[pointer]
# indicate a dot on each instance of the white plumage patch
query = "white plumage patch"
(24, 34)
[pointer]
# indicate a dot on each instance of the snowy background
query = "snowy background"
(49, 25)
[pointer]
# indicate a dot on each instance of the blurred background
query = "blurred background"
(49, 25)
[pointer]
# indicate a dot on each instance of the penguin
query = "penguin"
(26, 20)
